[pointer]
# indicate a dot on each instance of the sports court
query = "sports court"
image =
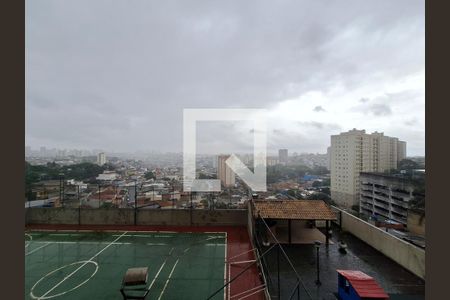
(91, 265)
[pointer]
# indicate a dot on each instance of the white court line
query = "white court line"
(76, 270)
(242, 262)
(168, 278)
(156, 244)
(83, 243)
(29, 241)
(63, 234)
(256, 292)
(159, 271)
(248, 291)
(135, 235)
(157, 274)
(38, 248)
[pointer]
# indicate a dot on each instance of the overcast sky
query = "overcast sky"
(116, 75)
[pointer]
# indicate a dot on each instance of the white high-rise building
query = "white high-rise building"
(224, 173)
(283, 156)
(356, 151)
(101, 159)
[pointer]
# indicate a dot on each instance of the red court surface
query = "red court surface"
(249, 285)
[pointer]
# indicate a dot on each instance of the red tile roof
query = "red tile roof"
(293, 209)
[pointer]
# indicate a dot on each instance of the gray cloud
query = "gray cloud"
(318, 109)
(364, 100)
(117, 75)
(380, 109)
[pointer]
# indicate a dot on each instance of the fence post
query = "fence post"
(190, 196)
(135, 203)
(79, 205)
(278, 271)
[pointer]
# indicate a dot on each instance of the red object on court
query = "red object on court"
(364, 285)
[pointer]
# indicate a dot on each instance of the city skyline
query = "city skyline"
(95, 82)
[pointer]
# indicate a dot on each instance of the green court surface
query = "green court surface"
(91, 265)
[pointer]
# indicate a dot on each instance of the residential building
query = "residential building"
(272, 161)
(224, 172)
(385, 196)
(107, 176)
(356, 151)
(101, 159)
(329, 158)
(283, 156)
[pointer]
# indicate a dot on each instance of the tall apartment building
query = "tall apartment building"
(101, 159)
(283, 156)
(224, 173)
(329, 158)
(356, 151)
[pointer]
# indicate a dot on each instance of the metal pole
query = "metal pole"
(278, 271)
(135, 202)
(79, 204)
(63, 191)
(318, 268)
(190, 196)
(60, 190)
(289, 230)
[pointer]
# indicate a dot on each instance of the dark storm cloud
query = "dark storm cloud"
(117, 74)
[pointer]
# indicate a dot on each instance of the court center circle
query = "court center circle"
(83, 262)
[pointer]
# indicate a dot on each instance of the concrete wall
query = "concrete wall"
(182, 217)
(45, 215)
(107, 216)
(407, 255)
(125, 216)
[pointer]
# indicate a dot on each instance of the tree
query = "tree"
(316, 183)
(408, 164)
(149, 175)
(319, 196)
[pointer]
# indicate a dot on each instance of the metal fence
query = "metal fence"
(60, 194)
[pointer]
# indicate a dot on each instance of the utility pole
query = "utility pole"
(79, 204)
(317, 245)
(135, 202)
